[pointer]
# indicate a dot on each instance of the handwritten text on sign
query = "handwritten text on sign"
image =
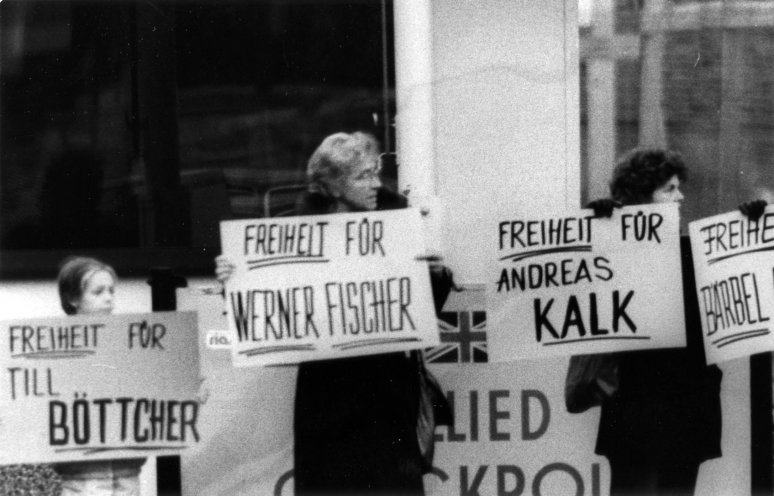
(91, 387)
(574, 284)
(327, 286)
(733, 258)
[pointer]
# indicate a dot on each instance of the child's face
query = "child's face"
(97, 295)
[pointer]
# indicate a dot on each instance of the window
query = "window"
(130, 129)
(692, 76)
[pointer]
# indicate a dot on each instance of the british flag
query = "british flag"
(463, 338)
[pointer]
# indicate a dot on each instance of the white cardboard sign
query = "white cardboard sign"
(327, 286)
(572, 284)
(78, 388)
(733, 258)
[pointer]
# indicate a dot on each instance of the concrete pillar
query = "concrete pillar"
(601, 104)
(487, 120)
(652, 132)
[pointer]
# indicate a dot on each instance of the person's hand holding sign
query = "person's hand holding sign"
(442, 279)
(224, 268)
(753, 209)
(604, 207)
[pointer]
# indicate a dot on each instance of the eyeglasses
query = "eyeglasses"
(372, 172)
(369, 174)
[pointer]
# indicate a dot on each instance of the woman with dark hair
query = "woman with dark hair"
(664, 419)
(356, 418)
(648, 176)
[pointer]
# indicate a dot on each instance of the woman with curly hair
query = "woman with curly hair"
(664, 418)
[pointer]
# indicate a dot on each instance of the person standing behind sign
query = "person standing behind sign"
(664, 419)
(356, 418)
(86, 287)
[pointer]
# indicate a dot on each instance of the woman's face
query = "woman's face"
(668, 192)
(358, 188)
(97, 297)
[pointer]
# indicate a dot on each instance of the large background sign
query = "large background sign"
(510, 427)
(315, 287)
(247, 417)
(96, 387)
(510, 433)
(733, 259)
(570, 284)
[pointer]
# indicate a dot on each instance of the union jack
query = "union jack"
(463, 338)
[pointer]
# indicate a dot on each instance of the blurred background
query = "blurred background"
(134, 127)
(693, 75)
(139, 125)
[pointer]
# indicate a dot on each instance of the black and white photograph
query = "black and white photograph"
(386, 247)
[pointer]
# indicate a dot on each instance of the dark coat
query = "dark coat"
(667, 407)
(355, 418)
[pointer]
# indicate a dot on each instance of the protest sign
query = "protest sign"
(93, 387)
(733, 259)
(327, 286)
(573, 284)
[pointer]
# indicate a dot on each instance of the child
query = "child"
(86, 287)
